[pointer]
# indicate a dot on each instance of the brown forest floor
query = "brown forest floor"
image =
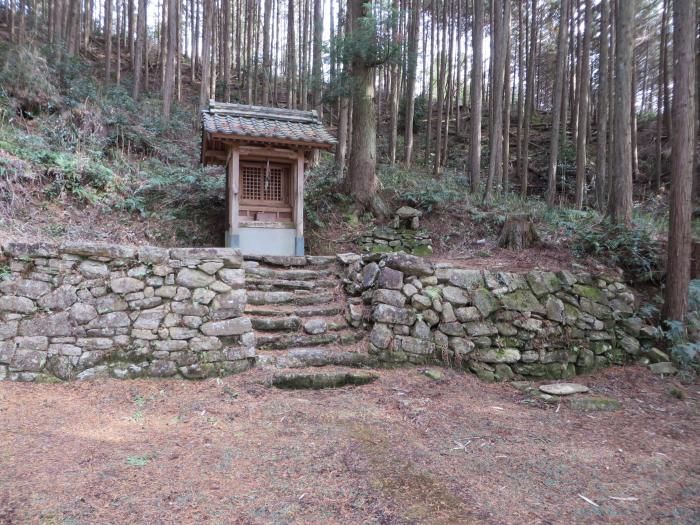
(405, 449)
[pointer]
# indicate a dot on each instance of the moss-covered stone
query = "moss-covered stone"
(522, 301)
(503, 372)
(422, 250)
(482, 371)
(484, 301)
(590, 292)
(381, 248)
(319, 380)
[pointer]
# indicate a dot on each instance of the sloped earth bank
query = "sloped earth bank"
(404, 449)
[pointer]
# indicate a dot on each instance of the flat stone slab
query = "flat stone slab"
(564, 389)
(594, 404)
(663, 368)
(319, 380)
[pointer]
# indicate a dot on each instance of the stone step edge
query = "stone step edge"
(285, 342)
(335, 323)
(299, 312)
(315, 357)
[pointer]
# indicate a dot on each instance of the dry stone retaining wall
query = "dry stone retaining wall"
(497, 324)
(84, 310)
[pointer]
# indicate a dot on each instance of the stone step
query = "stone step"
(287, 261)
(315, 298)
(279, 310)
(321, 260)
(290, 323)
(293, 323)
(317, 356)
(260, 297)
(323, 379)
(295, 275)
(287, 284)
(285, 341)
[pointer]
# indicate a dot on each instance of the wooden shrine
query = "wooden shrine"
(265, 151)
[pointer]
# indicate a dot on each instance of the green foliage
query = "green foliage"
(27, 77)
(371, 41)
(322, 193)
(635, 250)
(420, 190)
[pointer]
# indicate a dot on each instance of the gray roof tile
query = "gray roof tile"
(267, 123)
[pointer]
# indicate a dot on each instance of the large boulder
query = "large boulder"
(409, 264)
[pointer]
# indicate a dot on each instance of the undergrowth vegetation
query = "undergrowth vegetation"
(64, 137)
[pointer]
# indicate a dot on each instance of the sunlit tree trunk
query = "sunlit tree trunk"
(361, 177)
(529, 101)
(557, 102)
(108, 41)
(603, 101)
(582, 135)
(169, 84)
(140, 48)
(621, 202)
(206, 53)
(291, 57)
(683, 147)
(411, 81)
(497, 95)
(476, 83)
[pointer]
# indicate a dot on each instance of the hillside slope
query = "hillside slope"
(80, 160)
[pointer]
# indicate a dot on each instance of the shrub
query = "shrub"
(635, 250)
(27, 78)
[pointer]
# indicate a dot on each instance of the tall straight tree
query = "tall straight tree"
(603, 102)
(476, 84)
(683, 147)
(496, 115)
(291, 57)
(225, 37)
(523, 163)
(557, 103)
(442, 70)
(169, 84)
(344, 103)
(621, 201)
(395, 71)
(361, 178)
(317, 71)
(410, 102)
(507, 103)
(141, 43)
(108, 41)
(267, 65)
(584, 80)
(207, 30)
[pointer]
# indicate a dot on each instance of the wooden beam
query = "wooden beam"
(233, 170)
(229, 137)
(268, 151)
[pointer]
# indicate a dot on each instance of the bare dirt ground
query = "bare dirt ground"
(405, 449)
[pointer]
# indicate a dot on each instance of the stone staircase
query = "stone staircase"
(298, 312)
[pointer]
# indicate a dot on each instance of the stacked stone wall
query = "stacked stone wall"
(84, 310)
(499, 325)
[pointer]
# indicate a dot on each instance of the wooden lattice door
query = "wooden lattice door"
(265, 190)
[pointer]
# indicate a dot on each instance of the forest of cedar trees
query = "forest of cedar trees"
(613, 85)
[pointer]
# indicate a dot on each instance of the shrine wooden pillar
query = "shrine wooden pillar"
(232, 176)
(299, 204)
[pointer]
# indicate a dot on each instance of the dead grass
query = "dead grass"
(405, 449)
